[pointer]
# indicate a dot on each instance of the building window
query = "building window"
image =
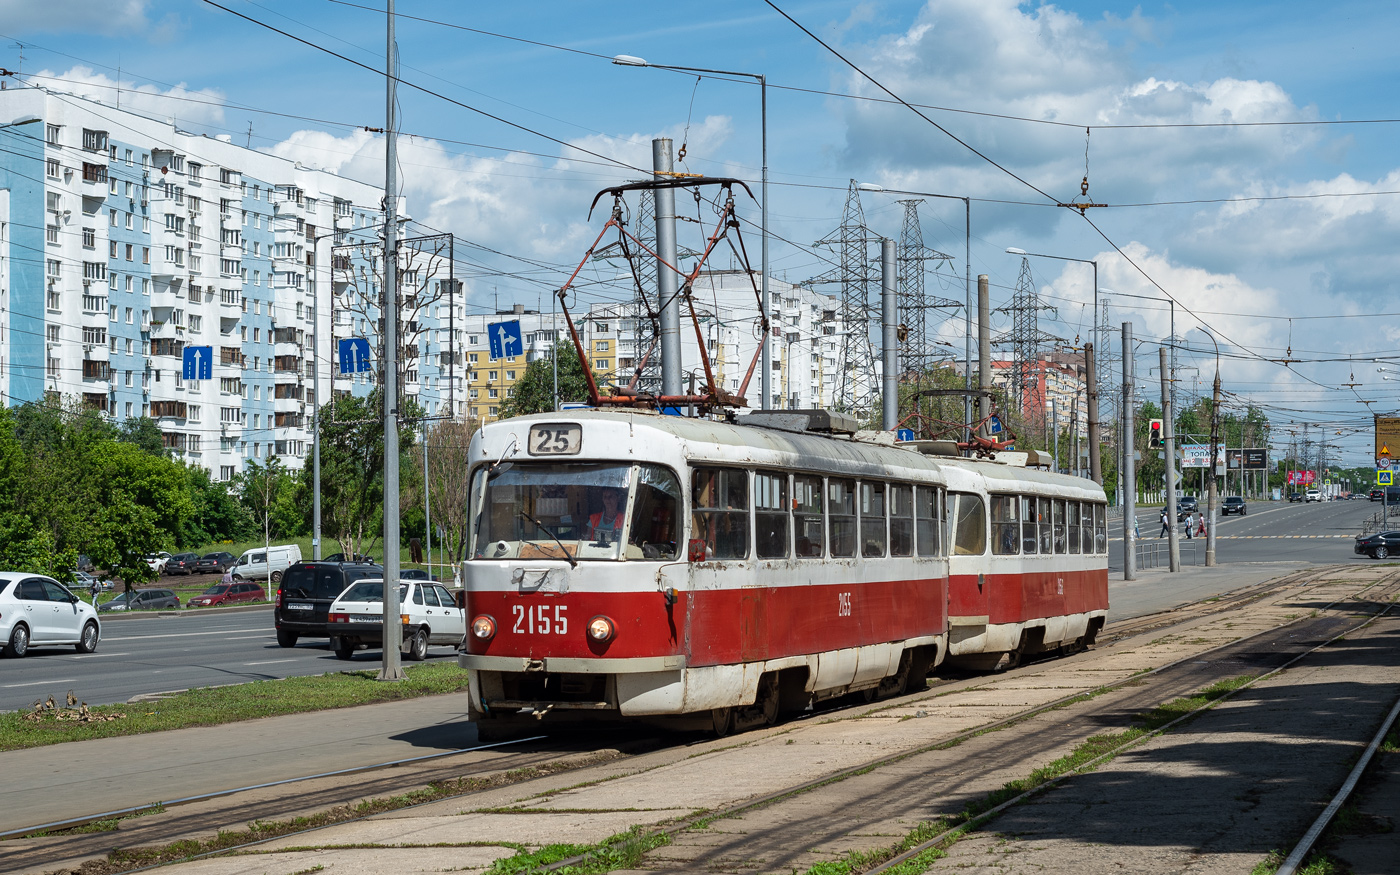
(94, 141)
(52, 165)
(51, 136)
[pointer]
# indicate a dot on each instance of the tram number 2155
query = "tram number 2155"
(843, 604)
(540, 619)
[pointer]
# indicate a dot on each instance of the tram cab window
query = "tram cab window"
(1042, 525)
(770, 506)
(1006, 525)
(807, 523)
(1030, 542)
(970, 525)
(655, 515)
(534, 510)
(1058, 517)
(872, 519)
(926, 521)
(1072, 521)
(1086, 528)
(841, 516)
(1100, 528)
(901, 520)
(719, 499)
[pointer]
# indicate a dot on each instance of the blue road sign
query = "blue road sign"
(1385, 478)
(505, 339)
(199, 363)
(354, 355)
(993, 425)
(905, 434)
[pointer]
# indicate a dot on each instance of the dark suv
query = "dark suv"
(1233, 504)
(305, 594)
(1184, 505)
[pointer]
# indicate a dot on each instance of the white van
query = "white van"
(256, 564)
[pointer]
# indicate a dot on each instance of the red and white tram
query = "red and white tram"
(637, 565)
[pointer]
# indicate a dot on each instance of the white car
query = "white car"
(157, 561)
(430, 616)
(1312, 495)
(38, 611)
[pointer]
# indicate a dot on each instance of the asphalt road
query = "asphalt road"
(164, 652)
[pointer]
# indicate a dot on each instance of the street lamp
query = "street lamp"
(22, 120)
(967, 267)
(1214, 441)
(766, 377)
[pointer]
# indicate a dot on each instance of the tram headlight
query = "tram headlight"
(600, 628)
(484, 627)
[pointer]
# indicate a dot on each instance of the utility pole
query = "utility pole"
(316, 417)
(390, 669)
(667, 281)
(1169, 446)
(1091, 375)
(984, 351)
(889, 336)
(1129, 483)
(1212, 490)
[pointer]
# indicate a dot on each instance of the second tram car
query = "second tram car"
(637, 565)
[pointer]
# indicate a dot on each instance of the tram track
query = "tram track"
(397, 778)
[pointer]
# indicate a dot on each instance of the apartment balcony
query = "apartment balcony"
(96, 352)
(169, 263)
(344, 222)
(287, 405)
(230, 301)
(167, 330)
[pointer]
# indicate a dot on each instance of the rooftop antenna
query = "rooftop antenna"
(19, 68)
(250, 135)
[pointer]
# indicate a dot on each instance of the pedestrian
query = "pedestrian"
(1166, 526)
(1188, 526)
(95, 588)
(1202, 530)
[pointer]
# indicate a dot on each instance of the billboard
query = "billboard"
(1198, 455)
(1247, 459)
(1301, 478)
(1387, 437)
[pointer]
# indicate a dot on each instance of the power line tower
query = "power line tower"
(916, 346)
(857, 386)
(1026, 340)
(639, 316)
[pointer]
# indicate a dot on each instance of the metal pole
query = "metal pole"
(1095, 463)
(390, 669)
(427, 505)
(767, 363)
(967, 322)
(316, 421)
(1169, 445)
(984, 352)
(667, 281)
(1129, 486)
(1212, 490)
(889, 336)
(554, 348)
(1055, 429)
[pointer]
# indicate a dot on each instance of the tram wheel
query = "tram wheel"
(722, 720)
(768, 699)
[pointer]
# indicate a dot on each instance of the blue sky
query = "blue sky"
(1243, 267)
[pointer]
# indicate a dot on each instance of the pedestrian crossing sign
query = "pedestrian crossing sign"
(1384, 478)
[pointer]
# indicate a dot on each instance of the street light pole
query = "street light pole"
(766, 344)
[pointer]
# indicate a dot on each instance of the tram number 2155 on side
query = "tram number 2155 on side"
(540, 619)
(843, 604)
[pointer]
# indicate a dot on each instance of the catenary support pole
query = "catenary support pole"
(1212, 491)
(984, 352)
(967, 314)
(1095, 462)
(316, 422)
(889, 336)
(1129, 481)
(390, 669)
(667, 280)
(1169, 448)
(766, 384)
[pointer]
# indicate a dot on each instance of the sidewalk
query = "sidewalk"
(1157, 589)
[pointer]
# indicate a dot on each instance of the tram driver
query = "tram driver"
(604, 526)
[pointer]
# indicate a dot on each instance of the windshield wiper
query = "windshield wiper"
(573, 563)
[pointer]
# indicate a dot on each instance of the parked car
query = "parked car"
(1378, 546)
(305, 595)
(260, 563)
(1233, 504)
(141, 600)
(181, 563)
(216, 563)
(38, 611)
(84, 563)
(1376, 494)
(157, 561)
(83, 581)
(226, 594)
(415, 574)
(1295, 496)
(430, 616)
(357, 558)
(1312, 495)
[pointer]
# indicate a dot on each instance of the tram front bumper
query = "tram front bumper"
(570, 665)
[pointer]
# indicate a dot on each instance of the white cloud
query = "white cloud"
(201, 106)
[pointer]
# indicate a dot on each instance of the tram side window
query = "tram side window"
(1058, 508)
(719, 499)
(872, 519)
(1030, 543)
(1006, 525)
(841, 516)
(926, 520)
(1072, 519)
(655, 512)
(1100, 528)
(970, 525)
(770, 515)
(1042, 525)
(901, 520)
(1086, 528)
(807, 521)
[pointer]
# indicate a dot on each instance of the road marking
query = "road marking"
(270, 662)
(175, 635)
(246, 637)
(40, 683)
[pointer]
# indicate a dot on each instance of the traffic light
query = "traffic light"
(1154, 433)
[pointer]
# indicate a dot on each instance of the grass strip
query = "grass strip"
(622, 851)
(213, 706)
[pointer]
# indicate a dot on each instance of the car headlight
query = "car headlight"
(600, 628)
(484, 627)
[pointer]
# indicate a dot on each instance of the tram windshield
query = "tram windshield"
(578, 510)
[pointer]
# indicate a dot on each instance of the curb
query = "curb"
(184, 612)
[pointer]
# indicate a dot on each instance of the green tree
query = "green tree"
(534, 391)
(215, 515)
(144, 432)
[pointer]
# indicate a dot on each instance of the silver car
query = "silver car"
(38, 611)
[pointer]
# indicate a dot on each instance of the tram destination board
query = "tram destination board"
(1388, 437)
